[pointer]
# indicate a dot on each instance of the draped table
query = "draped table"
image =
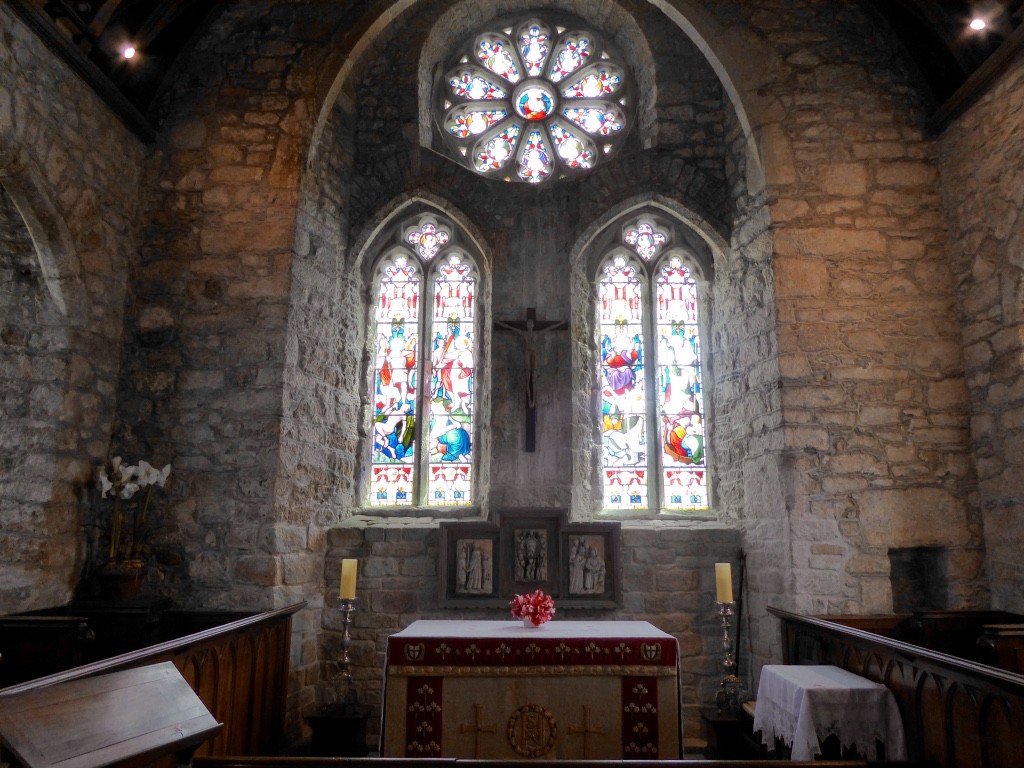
(805, 704)
(565, 690)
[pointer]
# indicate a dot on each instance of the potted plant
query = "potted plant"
(123, 572)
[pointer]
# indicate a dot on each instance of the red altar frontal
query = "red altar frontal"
(565, 690)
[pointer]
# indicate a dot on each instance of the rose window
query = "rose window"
(535, 102)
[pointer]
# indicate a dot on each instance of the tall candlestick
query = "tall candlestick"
(347, 590)
(723, 582)
(728, 698)
(348, 607)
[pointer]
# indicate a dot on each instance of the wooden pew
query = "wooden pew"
(953, 632)
(1002, 645)
(955, 712)
(34, 646)
(239, 670)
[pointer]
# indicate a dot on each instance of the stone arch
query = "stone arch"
(39, 313)
(54, 247)
(688, 218)
(739, 60)
(399, 207)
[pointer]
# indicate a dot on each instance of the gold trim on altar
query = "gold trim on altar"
(604, 670)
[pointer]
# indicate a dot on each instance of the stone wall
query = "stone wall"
(873, 399)
(69, 185)
(668, 580)
(982, 166)
(834, 349)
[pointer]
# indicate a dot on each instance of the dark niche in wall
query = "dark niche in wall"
(919, 578)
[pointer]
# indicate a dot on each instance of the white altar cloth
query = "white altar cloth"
(552, 630)
(804, 704)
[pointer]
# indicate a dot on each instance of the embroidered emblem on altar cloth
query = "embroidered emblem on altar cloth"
(650, 651)
(532, 731)
(414, 651)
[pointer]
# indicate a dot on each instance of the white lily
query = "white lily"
(105, 485)
(163, 475)
(123, 481)
(147, 474)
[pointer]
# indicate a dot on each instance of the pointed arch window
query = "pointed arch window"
(424, 326)
(652, 404)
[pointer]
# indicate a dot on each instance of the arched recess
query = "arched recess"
(708, 251)
(324, 250)
(375, 239)
(51, 239)
(40, 315)
(740, 61)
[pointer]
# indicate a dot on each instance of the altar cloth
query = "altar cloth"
(564, 690)
(805, 704)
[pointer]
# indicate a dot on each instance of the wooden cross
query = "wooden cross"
(476, 729)
(586, 729)
(529, 329)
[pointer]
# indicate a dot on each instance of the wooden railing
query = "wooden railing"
(239, 670)
(955, 712)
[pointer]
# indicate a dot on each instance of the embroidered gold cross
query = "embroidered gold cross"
(586, 729)
(476, 729)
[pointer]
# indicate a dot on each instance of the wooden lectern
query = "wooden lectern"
(129, 718)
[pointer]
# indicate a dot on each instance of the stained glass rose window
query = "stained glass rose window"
(535, 102)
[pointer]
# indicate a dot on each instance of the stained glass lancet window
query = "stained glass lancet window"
(652, 409)
(534, 102)
(623, 390)
(425, 331)
(680, 401)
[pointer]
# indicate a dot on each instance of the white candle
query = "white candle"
(723, 582)
(347, 591)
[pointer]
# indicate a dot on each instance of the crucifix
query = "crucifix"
(530, 329)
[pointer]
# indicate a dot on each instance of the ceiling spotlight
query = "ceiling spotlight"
(978, 24)
(128, 52)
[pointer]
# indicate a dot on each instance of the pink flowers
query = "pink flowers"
(537, 607)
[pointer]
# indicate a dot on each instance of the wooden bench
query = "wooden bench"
(1002, 645)
(239, 670)
(125, 718)
(34, 646)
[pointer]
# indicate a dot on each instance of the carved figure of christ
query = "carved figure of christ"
(529, 329)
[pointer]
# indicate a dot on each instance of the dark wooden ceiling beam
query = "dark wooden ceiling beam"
(978, 83)
(44, 28)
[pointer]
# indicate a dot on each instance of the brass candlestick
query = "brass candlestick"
(728, 697)
(347, 607)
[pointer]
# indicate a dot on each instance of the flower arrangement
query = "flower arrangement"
(535, 607)
(121, 482)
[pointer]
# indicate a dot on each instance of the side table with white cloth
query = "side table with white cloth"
(805, 704)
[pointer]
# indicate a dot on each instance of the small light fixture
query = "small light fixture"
(128, 51)
(978, 24)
